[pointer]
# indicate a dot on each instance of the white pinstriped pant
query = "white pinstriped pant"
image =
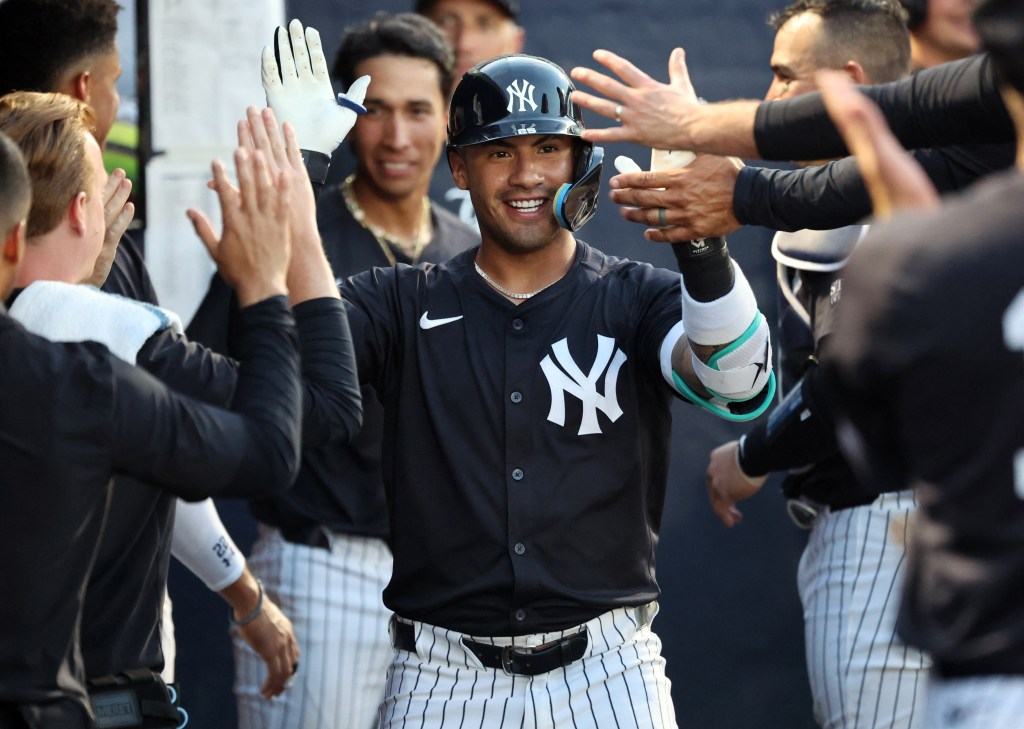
(333, 599)
(985, 702)
(619, 682)
(851, 578)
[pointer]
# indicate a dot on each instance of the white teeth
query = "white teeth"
(527, 206)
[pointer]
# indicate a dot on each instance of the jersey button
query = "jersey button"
(520, 615)
(516, 397)
(518, 324)
(520, 549)
(517, 474)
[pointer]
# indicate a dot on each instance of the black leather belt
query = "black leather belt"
(516, 660)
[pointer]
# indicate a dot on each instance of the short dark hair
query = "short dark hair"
(400, 34)
(15, 186)
(41, 39)
(871, 32)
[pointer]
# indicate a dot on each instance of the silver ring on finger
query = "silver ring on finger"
(618, 113)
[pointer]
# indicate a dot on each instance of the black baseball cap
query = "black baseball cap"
(1000, 24)
(509, 7)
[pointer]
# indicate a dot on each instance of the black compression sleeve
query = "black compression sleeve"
(195, 450)
(954, 103)
(819, 198)
(332, 409)
(798, 432)
(706, 267)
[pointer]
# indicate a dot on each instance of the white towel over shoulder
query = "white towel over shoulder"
(64, 312)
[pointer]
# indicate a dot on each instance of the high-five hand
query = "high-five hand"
(299, 90)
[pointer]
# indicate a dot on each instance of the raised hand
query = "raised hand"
(254, 250)
(299, 90)
(681, 204)
(650, 113)
(118, 214)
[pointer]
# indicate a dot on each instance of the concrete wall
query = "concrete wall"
(730, 618)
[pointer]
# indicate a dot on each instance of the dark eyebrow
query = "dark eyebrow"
(543, 139)
(781, 69)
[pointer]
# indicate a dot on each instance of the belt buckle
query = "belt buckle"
(506, 659)
(803, 512)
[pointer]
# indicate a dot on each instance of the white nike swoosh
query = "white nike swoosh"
(427, 323)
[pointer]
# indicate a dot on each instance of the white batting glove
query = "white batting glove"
(661, 159)
(300, 90)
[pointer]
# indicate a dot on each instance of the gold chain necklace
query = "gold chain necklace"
(501, 289)
(384, 239)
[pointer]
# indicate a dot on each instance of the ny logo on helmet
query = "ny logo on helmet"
(570, 379)
(522, 90)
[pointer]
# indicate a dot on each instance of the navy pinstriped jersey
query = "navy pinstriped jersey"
(526, 447)
(929, 352)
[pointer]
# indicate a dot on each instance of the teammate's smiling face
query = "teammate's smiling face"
(397, 142)
(512, 183)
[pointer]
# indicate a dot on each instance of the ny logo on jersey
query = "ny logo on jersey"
(522, 90)
(570, 379)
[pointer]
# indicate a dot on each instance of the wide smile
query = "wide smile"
(528, 209)
(397, 169)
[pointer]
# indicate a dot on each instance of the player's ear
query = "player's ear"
(856, 72)
(76, 213)
(458, 164)
(14, 244)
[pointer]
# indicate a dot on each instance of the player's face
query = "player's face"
(948, 28)
(398, 140)
(477, 29)
(94, 222)
(104, 71)
(512, 183)
(795, 57)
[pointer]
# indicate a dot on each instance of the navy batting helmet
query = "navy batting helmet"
(514, 95)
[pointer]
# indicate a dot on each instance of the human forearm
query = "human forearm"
(332, 410)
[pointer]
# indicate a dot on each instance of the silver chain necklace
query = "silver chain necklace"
(501, 289)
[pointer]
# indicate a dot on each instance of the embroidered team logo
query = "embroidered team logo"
(522, 90)
(567, 377)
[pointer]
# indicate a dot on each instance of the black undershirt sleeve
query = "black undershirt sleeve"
(331, 403)
(798, 432)
(954, 103)
(195, 450)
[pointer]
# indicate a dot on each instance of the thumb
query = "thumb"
(204, 229)
(678, 75)
(624, 165)
(357, 91)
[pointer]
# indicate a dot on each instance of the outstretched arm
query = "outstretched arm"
(663, 116)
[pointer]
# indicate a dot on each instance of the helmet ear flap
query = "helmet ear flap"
(575, 204)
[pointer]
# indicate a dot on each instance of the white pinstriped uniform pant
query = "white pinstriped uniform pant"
(619, 682)
(985, 702)
(333, 599)
(851, 578)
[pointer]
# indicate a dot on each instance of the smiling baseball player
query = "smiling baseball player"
(527, 386)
